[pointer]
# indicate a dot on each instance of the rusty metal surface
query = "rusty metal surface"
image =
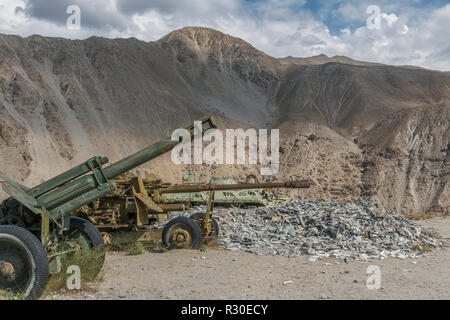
(186, 188)
(135, 198)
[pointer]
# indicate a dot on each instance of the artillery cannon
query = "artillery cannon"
(36, 228)
(138, 203)
(231, 193)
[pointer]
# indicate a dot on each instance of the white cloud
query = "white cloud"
(405, 37)
(390, 18)
(9, 20)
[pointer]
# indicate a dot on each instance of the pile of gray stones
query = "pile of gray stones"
(357, 230)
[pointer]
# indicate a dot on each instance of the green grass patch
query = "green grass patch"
(90, 265)
(136, 248)
(128, 240)
(7, 295)
(120, 241)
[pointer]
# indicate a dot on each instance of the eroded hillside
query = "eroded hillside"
(382, 131)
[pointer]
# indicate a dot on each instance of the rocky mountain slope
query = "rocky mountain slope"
(382, 131)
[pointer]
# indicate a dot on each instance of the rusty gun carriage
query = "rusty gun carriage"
(139, 203)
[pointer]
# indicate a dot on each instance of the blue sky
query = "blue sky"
(328, 11)
(410, 32)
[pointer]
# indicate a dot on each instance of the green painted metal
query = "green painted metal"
(85, 198)
(54, 199)
(68, 176)
(228, 192)
(139, 158)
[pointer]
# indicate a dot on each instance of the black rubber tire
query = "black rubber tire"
(214, 223)
(94, 236)
(37, 255)
(191, 225)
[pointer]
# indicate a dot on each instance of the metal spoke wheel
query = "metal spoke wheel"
(182, 233)
(23, 263)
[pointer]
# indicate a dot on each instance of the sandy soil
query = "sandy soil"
(222, 274)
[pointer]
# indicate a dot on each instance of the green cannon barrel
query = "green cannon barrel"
(71, 190)
(68, 193)
(152, 152)
(67, 176)
(139, 158)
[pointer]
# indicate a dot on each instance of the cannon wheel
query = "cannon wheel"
(23, 263)
(88, 238)
(182, 233)
(214, 226)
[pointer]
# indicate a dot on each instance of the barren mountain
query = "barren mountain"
(382, 131)
(322, 59)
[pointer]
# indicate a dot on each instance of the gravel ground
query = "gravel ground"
(223, 274)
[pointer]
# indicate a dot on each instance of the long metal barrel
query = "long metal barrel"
(151, 152)
(186, 188)
(67, 176)
(74, 194)
(141, 157)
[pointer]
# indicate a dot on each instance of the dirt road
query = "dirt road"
(222, 274)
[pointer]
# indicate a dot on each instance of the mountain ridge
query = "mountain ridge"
(63, 101)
